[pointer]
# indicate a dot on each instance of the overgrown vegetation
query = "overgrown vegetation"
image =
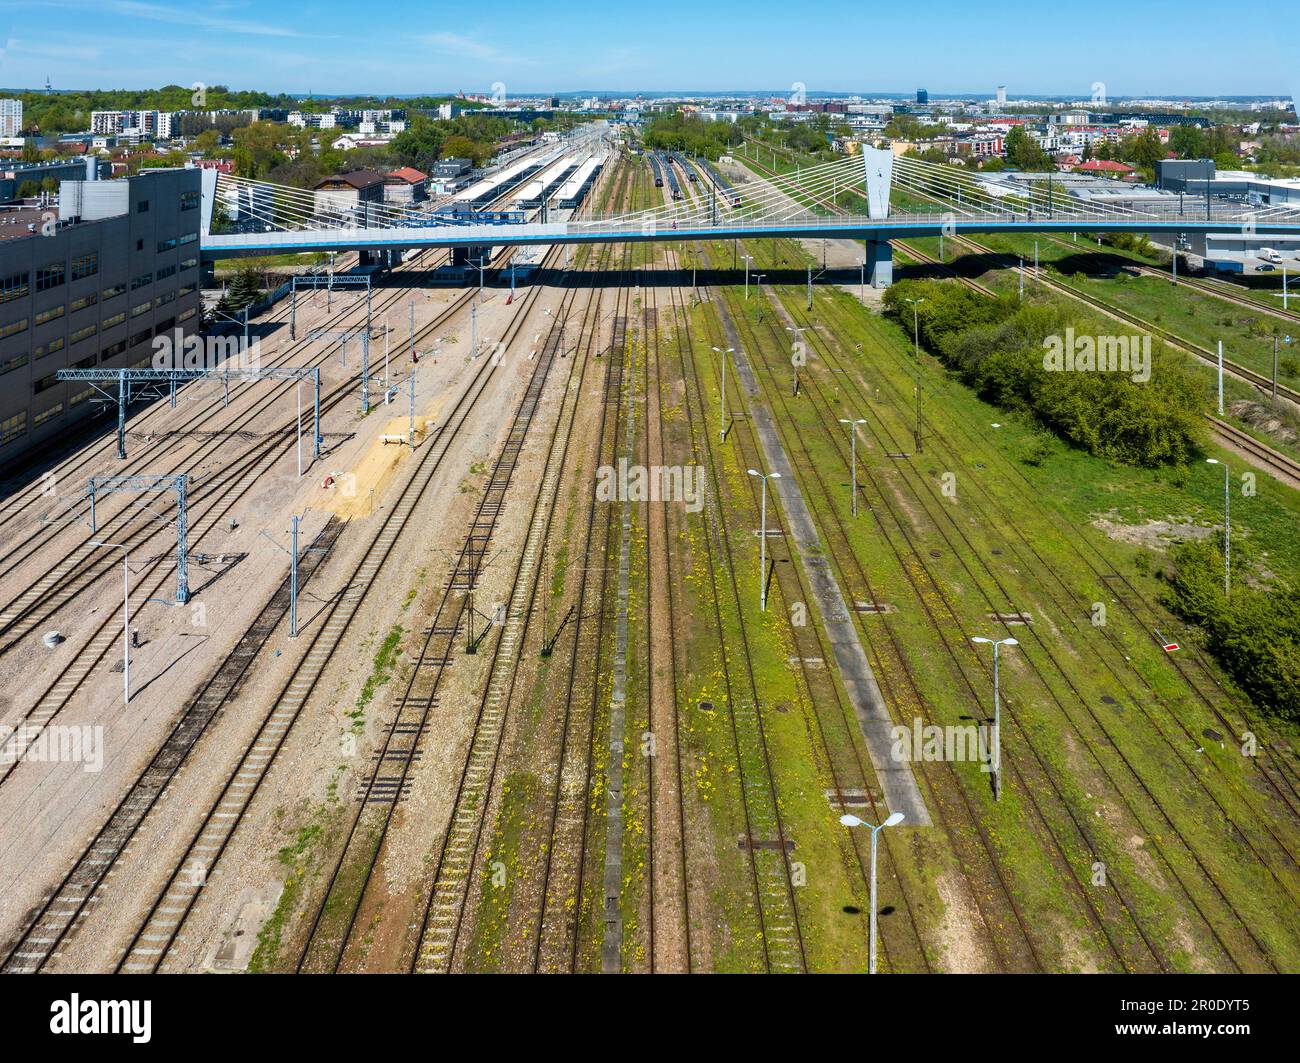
(997, 347)
(1254, 632)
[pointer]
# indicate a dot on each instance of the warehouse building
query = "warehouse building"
(91, 287)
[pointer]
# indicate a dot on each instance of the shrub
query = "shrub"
(1254, 634)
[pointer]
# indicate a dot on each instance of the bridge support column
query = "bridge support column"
(880, 263)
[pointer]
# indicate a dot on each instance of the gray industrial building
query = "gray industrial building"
(14, 176)
(92, 288)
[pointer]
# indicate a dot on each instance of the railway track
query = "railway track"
(459, 852)
(69, 896)
(766, 837)
(1283, 847)
(847, 775)
(1137, 697)
(208, 507)
(557, 933)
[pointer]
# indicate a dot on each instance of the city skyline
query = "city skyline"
(134, 44)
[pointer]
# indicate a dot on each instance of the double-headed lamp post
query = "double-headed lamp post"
(126, 619)
(916, 340)
(722, 424)
(748, 259)
(762, 536)
(1227, 524)
(997, 713)
(853, 451)
(849, 820)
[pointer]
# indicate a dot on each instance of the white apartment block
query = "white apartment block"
(11, 117)
(145, 124)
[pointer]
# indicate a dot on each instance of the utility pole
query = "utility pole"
(762, 537)
(411, 430)
(293, 572)
(1227, 524)
(916, 339)
(1220, 378)
(853, 450)
(997, 714)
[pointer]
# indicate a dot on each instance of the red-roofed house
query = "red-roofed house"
(407, 185)
(1105, 168)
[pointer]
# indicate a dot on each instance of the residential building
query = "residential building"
(90, 287)
(348, 196)
(405, 186)
(11, 118)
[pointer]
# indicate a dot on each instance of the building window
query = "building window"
(55, 344)
(50, 314)
(187, 289)
(140, 337)
(85, 265)
(85, 363)
(45, 415)
(113, 292)
(188, 238)
(141, 281)
(14, 287)
(13, 328)
(166, 245)
(17, 362)
(142, 207)
(165, 324)
(140, 308)
(83, 302)
(83, 333)
(13, 427)
(50, 277)
(166, 297)
(80, 397)
(185, 315)
(191, 200)
(109, 322)
(45, 383)
(166, 271)
(112, 350)
(189, 263)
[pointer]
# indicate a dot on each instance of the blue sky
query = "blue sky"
(332, 46)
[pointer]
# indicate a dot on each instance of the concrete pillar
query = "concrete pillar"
(880, 263)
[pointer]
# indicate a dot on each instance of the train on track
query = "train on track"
(725, 192)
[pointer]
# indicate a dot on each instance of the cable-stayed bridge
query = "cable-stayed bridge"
(873, 197)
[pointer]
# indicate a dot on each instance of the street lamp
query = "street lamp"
(853, 451)
(997, 713)
(849, 820)
(916, 340)
(126, 619)
(1227, 524)
(722, 424)
(762, 536)
(748, 259)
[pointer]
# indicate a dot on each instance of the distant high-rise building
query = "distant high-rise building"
(922, 96)
(11, 118)
(1002, 95)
